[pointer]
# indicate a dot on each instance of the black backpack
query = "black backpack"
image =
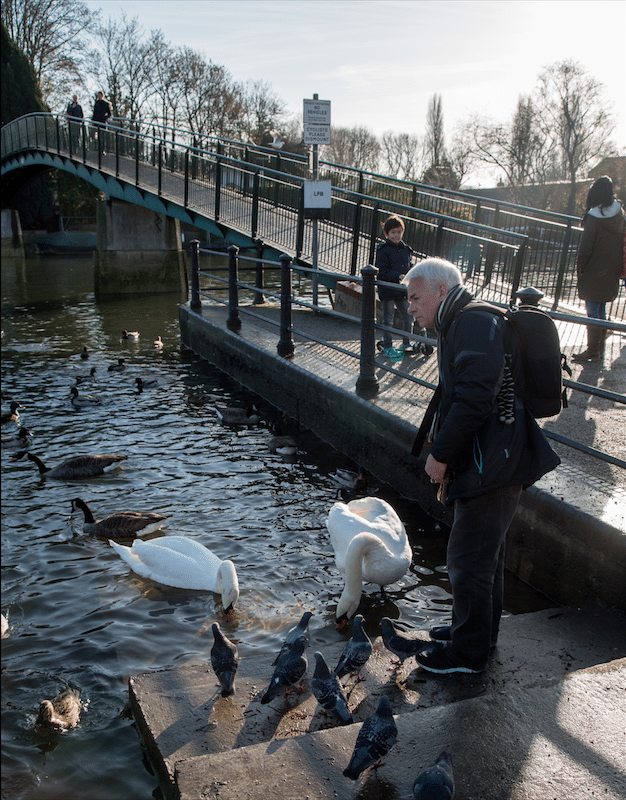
(538, 377)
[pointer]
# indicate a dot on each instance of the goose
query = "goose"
(61, 713)
(83, 400)
(13, 415)
(370, 544)
(183, 563)
(19, 440)
(133, 335)
(84, 354)
(230, 415)
(75, 467)
(90, 377)
(146, 383)
(283, 445)
(119, 367)
(158, 342)
(122, 525)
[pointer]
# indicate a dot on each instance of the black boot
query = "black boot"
(594, 339)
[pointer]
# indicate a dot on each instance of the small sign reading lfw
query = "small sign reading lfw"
(317, 199)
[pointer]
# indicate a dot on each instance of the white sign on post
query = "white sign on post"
(316, 121)
(317, 194)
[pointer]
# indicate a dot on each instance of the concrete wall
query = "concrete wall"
(139, 250)
(564, 553)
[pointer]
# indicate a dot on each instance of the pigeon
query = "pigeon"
(435, 782)
(401, 646)
(356, 652)
(377, 736)
(327, 690)
(299, 630)
(290, 669)
(224, 660)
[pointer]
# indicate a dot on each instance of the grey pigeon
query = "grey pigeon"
(289, 670)
(377, 736)
(224, 660)
(327, 689)
(356, 652)
(401, 646)
(301, 629)
(435, 782)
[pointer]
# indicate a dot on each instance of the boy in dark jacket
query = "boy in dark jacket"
(393, 260)
(481, 462)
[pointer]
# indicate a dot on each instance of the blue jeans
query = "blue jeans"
(595, 310)
(389, 307)
(476, 571)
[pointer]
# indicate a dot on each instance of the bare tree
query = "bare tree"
(263, 110)
(434, 139)
(353, 147)
(51, 33)
(572, 114)
(403, 154)
(124, 66)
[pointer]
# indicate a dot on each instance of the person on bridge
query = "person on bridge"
(74, 113)
(101, 113)
(600, 261)
(393, 260)
(480, 462)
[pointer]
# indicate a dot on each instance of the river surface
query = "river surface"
(78, 616)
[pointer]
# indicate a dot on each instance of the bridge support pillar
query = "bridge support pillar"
(139, 250)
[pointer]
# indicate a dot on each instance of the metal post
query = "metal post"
(374, 232)
(367, 384)
(285, 346)
(356, 235)
(218, 187)
(117, 153)
(83, 134)
(233, 322)
(58, 127)
(186, 190)
(439, 238)
(254, 222)
(195, 276)
(562, 265)
(159, 171)
(517, 275)
(258, 295)
(314, 243)
(136, 159)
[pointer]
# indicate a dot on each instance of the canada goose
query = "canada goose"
(230, 415)
(158, 342)
(283, 445)
(370, 544)
(84, 354)
(130, 335)
(84, 378)
(119, 367)
(83, 400)
(13, 415)
(76, 467)
(148, 383)
(61, 713)
(183, 563)
(19, 440)
(121, 525)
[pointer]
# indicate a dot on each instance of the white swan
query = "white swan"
(183, 563)
(370, 545)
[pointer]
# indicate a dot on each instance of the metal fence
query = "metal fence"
(257, 191)
(211, 285)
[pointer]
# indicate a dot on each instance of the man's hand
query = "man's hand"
(435, 470)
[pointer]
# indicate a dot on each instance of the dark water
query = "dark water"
(78, 615)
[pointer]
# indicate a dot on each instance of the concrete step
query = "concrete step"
(193, 734)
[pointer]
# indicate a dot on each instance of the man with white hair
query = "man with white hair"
(480, 458)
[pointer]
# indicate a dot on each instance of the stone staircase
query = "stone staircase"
(547, 720)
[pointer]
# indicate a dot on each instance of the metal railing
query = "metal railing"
(258, 192)
(367, 384)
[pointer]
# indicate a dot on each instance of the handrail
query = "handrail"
(366, 385)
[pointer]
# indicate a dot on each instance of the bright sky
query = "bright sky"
(380, 61)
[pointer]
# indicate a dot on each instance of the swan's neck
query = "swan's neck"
(360, 545)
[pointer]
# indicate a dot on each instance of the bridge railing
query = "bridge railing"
(208, 283)
(501, 245)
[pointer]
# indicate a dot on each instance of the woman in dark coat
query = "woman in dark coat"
(600, 261)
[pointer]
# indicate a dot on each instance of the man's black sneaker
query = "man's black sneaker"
(379, 346)
(443, 633)
(439, 660)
